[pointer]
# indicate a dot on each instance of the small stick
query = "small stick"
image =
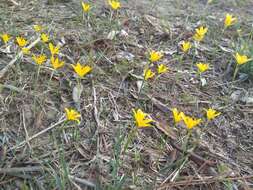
(82, 181)
(14, 2)
(204, 180)
(20, 169)
(38, 134)
(6, 68)
(26, 132)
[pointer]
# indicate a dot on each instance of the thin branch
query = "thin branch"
(8, 66)
(38, 134)
(20, 169)
(82, 181)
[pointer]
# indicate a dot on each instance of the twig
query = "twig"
(82, 181)
(192, 156)
(20, 169)
(15, 3)
(38, 134)
(26, 132)
(204, 180)
(6, 68)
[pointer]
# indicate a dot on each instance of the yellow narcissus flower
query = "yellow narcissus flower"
(53, 49)
(155, 56)
(39, 59)
(56, 63)
(37, 28)
(142, 119)
(26, 51)
(177, 115)
(115, 4)
(211, 113)
(190, 122)
(44, 37)
(72, 115)
(81, 70)
(5, 37)
(229, 20)
(86, 7)
(162, 69)
(21, 41)
(241, 59)
(200, 33)
(202, 67)
(186, 46)
(148, 73)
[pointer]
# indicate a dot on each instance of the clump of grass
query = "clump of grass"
(75, 116)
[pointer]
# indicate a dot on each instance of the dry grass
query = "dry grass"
(106, 151)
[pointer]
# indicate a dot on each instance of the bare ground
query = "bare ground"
(100, 152)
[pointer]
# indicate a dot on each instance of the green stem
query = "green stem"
(129, 139)
(235, 72)
(36, 85)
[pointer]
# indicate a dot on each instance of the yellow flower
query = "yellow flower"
(114, 4)
(229, 20)
(142, 119)
(81, 70)
(25, 51)
(148, 73)
(39, 59)
(241, 59)
(190, 122)
(53, 49)
(211, 113)
(176, 115)
(72, 115)
(5, 38)
(86, 7)
(155, 56)
(162, 69)
(44, 37)
(56, 63)
(200, 33)
(202, 67)
(186, 46)
(37, 28)
(21, 41)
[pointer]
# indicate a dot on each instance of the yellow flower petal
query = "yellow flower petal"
(148, 74)
(26, 51)
(142, 119)
(229, 20)
(56, 63)
(190, 122)
(72, 115)
(40, 59)
(202, 67)
(211, 113)
(241, 59)
(186, 46)
(155, 56)
(21, 41)
(200, 33)
(5, 37)
(81, 70)
(86, 7)
(162, 69)
(53, 49)
(44, 37)
(115, 4)
(177, 115)
(37, 28)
